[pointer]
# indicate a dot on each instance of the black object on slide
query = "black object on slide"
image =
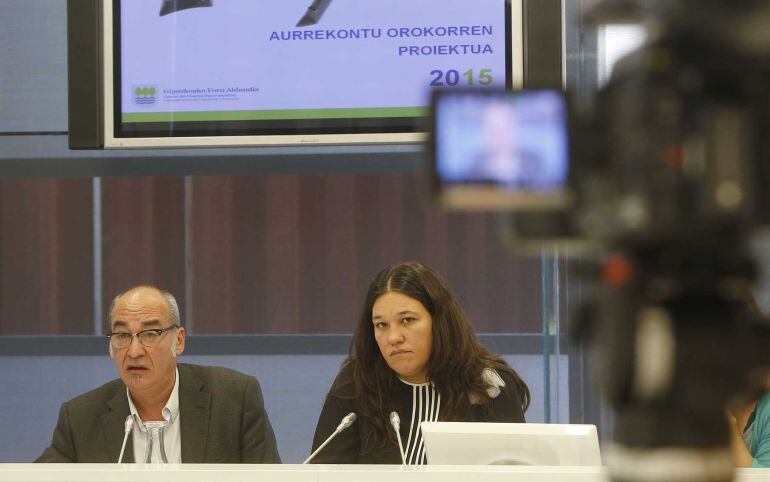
(314, 13)
(171, 6)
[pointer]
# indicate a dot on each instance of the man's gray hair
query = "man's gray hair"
(173, 307)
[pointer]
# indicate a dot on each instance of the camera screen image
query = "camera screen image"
(501, 150)
(512, 140)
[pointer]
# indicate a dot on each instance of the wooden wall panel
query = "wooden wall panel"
(228, 289)
(514, 292)
(369, 243)
(46, 257)
(467, 269)
(281, 234)
(312, 281)
(295, 253)
(280, 253)
(143, 236)
(341, 286)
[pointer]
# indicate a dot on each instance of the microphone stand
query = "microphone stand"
(346, 422)
(128, 426)
(395, 421)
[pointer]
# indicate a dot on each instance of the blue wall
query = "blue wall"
(33, 65)
(294, 386)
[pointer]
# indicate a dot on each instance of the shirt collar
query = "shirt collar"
(425, 384)
(170, 410)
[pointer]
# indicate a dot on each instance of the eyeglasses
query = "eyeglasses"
(147, 338)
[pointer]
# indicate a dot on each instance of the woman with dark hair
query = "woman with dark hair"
(415, 353)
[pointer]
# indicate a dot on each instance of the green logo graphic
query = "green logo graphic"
(145, 95)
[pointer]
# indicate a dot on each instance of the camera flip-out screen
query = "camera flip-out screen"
(501, 149)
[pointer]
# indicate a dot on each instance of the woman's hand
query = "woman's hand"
(740, 453)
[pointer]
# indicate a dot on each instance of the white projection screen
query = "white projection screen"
(292, 72)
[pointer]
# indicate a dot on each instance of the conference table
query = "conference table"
(314, 473)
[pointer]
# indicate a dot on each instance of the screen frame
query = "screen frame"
(452, 443)
(516, 73)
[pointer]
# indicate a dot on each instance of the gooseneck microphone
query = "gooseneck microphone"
(128, 425)
(395, 422)
(346, 422)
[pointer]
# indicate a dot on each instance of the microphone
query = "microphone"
(128, 426)
(395, 421)
(346, 422)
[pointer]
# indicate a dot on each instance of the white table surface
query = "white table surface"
(313, 473)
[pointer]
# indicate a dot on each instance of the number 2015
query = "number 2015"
(452, 77)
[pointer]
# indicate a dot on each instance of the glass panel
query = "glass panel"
(591, 54)
(574, 397)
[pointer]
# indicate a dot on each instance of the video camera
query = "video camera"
(663, 183)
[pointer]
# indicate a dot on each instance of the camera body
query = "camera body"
(675, 188)
(666, 187)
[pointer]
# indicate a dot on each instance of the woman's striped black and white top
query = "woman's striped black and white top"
(414, 404)
(426, 404)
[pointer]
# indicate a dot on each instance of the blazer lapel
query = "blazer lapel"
(194, 410)
(113, 425)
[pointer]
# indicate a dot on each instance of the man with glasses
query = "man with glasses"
(163, 412)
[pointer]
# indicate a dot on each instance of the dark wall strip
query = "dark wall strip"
(49, 156)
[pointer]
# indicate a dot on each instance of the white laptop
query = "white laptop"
(472, 443)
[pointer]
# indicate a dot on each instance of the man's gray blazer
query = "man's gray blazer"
(222, 415)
